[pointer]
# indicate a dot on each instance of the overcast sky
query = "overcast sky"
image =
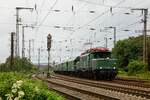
(75, 19)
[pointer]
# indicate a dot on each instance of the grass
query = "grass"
(141, 76)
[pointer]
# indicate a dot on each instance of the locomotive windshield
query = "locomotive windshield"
(102, 55)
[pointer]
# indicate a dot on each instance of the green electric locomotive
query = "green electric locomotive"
(95, 63)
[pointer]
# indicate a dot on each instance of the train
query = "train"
(95, 63)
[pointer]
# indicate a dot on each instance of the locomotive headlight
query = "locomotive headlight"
(100, 67)
(107, 58)
(114, 67)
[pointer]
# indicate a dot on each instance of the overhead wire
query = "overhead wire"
(97, 17)
(116, 6)
(130, 13)
(45, 17)
(105, 5)
(102, 5)
(137, 22)
(133, 23)
(93, 3)
(105, 12)
(76, 12)
(85, 24)
(41, 6)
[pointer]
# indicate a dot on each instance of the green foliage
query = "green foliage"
(6, 82)
(128, 49)
(32, 89)
(135, 67)
(35, 90)
(19, 65)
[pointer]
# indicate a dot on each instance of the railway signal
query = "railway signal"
(49, 41)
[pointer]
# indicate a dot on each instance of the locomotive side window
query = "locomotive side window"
(102, 55)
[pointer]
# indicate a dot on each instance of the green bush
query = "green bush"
(19, 86)
(6, 82)
(135, 67)
(19, 65)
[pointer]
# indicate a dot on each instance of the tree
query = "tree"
(130, 49)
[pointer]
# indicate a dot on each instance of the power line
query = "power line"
(105, 5)
(119, 24)
(105, 12)
(76, 12)
(45, 19)
(48, 13)
(123, 11)
(137, 22)
(42, 4)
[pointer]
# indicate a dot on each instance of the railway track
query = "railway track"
(133, 82)
(82, 89)
(75, 93)
(59, 90)
(127, 89)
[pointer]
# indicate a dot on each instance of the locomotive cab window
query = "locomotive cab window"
(102, 55)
